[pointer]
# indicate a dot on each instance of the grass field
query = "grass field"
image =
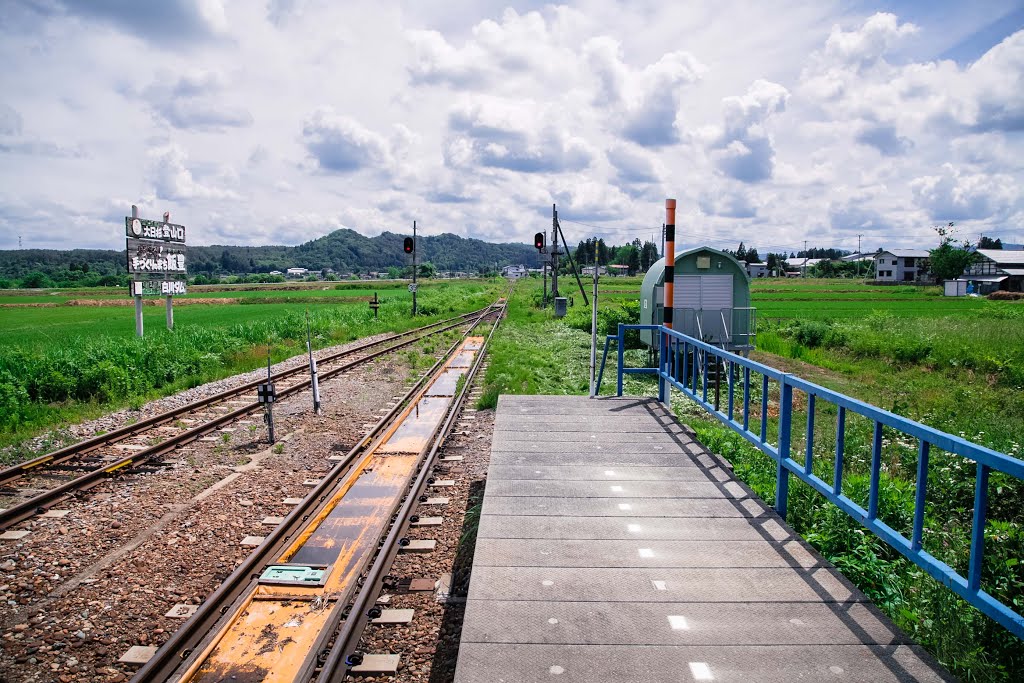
(951, 363)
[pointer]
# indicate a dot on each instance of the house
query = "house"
(618, 270)
(757, 269)
(275, 272)
(802, 263)
(901, 265)
(588, 271)
(297, 272)
(514, 271)
(995, 269)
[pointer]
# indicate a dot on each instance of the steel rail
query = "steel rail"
(200, 626)
(122, 433)
(37, 504)
(336, 666)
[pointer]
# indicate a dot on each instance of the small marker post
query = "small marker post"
(314, 379)
(265, 394)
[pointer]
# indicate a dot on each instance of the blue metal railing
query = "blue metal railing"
(685, 363)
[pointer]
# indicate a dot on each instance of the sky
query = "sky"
(276, 122)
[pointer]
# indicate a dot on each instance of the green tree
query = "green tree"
(633, 264)
(950, 259)
(36, 280)
(427, 270)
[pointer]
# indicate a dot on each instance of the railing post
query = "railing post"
(785, 428)
(978, 528)
(622, 343)
(662, 363)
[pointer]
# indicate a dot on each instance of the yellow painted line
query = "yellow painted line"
(37, 463)
(117, 466)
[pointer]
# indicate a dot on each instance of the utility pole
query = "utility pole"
(554, 252)
(662, 240)
(414, 268)
(858, 254)
(803, 270)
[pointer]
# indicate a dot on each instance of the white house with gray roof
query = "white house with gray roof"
(901, 265)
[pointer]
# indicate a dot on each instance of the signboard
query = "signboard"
(158, 287)
(156, 259)
(412, 287)
(266, 393)
(140, 228)
(148, 256)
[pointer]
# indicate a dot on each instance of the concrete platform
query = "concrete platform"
(615, 547)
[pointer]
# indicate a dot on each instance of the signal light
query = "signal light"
(408, 245)
(538, 241)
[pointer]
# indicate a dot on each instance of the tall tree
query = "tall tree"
(950, 259)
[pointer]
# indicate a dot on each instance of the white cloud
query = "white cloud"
(742, 147)
(956, 196)
(516, 136)
(173, 179)
(340, 144)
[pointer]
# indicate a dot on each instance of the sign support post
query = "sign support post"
(138, 295)
(593, 338)
(170, 299)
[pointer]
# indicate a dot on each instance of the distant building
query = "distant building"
(514, 272)
(617, 270)
(901, 265)
(297, 272)
(588, 271)
(275, 272)
(801, 264)
(995, 269)
(757, 269)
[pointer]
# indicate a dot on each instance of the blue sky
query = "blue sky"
(277, 122)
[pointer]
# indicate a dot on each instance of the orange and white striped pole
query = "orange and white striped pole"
(670, 259)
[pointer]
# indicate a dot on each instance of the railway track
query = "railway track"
(353, 523)
(47, 479)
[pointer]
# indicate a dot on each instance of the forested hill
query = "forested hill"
(346, 251)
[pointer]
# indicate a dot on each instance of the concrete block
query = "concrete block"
(394, 616)
(441, 483)
(435, 501)
(137, 655)
(377, 664)
(14, 535)
(55, 514)
(252, 541)
(182, 611)
(420, 546)
(292, 501)
(452, 458)
(429, 521)
(272, 521)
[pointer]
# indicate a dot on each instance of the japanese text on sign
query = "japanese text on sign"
(154, 230)
(147, 257)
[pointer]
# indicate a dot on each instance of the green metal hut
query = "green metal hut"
(711, 301)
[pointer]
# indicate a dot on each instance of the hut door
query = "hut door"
(704, 299)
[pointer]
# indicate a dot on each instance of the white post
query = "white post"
(138, 296)
(593, 337)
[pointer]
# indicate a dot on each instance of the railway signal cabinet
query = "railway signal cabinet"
(711, 300)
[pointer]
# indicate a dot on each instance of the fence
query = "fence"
(687, 364)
